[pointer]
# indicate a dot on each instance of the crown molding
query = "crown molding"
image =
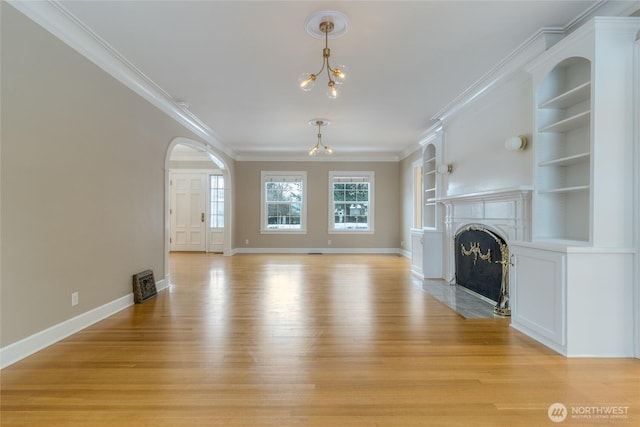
(527, 51)
(531, 48)
(53, 17)
(427, 136)
(588, 14)
(299, 157)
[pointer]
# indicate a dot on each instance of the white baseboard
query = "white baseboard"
(417, 272)
(19, 350)
(317, 251)
(538, 337)
(162, 284)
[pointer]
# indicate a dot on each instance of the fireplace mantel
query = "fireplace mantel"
(490, 195)
(507, 211)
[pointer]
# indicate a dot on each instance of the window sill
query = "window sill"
(270, 231)
(351, 232)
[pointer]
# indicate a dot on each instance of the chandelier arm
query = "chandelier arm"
(321, 69)
(329, 71)
(329, 67)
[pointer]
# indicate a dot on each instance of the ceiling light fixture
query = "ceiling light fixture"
(318, 25)
(319, 145)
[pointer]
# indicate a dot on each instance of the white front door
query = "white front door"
(188, 208)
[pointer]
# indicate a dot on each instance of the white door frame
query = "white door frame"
(228, 193)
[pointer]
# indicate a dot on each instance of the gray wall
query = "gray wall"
(387, 206)
(82, 182)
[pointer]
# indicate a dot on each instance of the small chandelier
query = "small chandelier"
(328, 22)
(319, 145)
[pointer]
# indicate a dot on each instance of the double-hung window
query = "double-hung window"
(284, 202)
(351, 202)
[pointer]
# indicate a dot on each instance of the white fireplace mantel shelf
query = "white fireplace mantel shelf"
(499, 194)
(506, 210)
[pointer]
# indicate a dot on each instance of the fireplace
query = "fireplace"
(482, 264)
(504, 212)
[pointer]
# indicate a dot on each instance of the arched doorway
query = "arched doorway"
(197, 158)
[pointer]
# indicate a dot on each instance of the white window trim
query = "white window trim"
(264, 176)
(372, 189)
(209, 201)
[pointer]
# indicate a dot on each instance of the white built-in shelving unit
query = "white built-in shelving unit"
(429, 170)
(571, 285)
(563, 147)
(432, 233)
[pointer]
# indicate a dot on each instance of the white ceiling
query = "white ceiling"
(237, 62)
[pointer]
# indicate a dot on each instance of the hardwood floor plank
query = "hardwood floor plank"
(299, 340)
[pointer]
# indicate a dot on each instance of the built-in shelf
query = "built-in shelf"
(565, 189)
(569, 98)
(566, 161)
(562, 151)
(570, 123)
(429, 185)
(582, 209)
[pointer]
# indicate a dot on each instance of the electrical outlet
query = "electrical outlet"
(74, 299)
(329, 242)
(246, 242)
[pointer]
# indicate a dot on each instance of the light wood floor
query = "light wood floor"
(305, 340)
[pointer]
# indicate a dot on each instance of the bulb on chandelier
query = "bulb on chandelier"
(338, 74)
(307, 81)
(332, 90)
